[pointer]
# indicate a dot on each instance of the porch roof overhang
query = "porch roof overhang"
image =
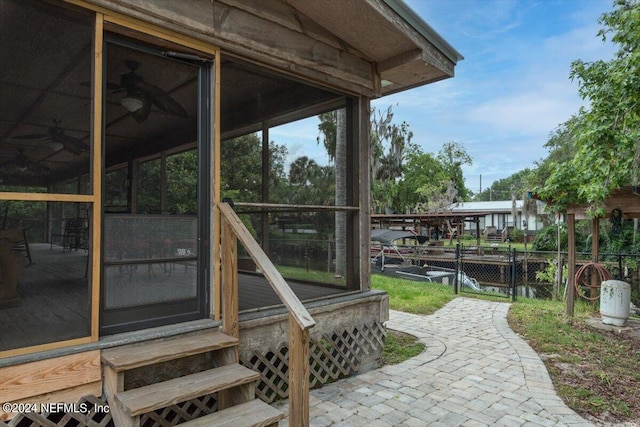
(366, 47)
(281, 61)
(626, 199)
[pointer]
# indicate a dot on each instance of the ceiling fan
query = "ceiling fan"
(57, 137)
(22, 163)
(140, 95)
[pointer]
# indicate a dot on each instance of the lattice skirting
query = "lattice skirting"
(331, 357)
(170, 416)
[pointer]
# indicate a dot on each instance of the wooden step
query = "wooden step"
(156, 351)
(145, 399)
(254, 413)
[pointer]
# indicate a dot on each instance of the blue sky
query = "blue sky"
(509, 93)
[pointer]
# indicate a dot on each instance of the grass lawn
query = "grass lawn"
(411, 296)
(597, 373)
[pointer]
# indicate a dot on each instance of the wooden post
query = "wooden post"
(595, 234)
(229, 243)
(298, 374)
(266, 159)
(571, 282)
(362, 193)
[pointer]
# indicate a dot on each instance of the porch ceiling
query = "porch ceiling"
(46, 88)
(351, 45)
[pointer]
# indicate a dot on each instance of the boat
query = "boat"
(390, 259)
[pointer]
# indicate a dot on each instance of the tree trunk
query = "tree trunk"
(341, 192)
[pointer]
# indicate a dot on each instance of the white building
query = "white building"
(500, 215)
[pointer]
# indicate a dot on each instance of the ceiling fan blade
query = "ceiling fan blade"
(110, 86)
(169, 105)
(162, 99)
(74, 145)
(31, 136)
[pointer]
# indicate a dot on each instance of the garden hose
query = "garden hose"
(602, 271)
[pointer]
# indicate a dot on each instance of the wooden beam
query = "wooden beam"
(266, 159)
(253, 36)
(400, 59)
(364, 191)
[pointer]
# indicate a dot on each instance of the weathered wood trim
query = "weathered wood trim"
(230, 325)
(51, 375)
(624, 199)
(96, 153)
(284, 14)
(129, 20)
(430, 54)
(399, 60)
(364, 112)
(47, 197)
(298, 374)
(44, 347)
(353, 194)
(215, 177)
(249, 36)
(114, 383)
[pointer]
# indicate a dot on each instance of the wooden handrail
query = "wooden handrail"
(273, 276)
(300, 321)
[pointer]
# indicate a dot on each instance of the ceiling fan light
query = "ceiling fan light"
(131, 103)
(57, 146)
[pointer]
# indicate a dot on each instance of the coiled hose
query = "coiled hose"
(602, 271)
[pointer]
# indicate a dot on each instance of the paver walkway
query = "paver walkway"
(475, 372)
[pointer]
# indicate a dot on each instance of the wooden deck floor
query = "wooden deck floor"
(254, 292)
(56, 299)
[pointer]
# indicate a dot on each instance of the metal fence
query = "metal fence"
(503, 271)
(536, 274)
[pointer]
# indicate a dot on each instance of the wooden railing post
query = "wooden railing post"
(298, 374)
(230, 325)
(300, 321)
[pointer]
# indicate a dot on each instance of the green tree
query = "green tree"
(182, 183)
(607, 133)
(240, 175)
(420, 171)
(504, 189)
(452, 156)
(562, 149)
(389, 142)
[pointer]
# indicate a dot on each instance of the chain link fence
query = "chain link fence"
(512, 273)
